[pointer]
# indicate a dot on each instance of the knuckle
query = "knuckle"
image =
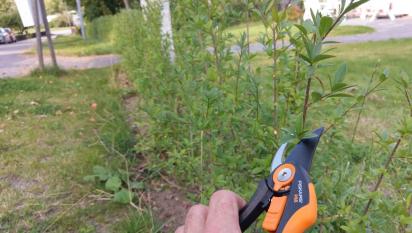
(223, 197)
(180, 229)
(196, 209)
(195, 212)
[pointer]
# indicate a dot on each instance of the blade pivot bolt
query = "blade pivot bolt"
(284, 175)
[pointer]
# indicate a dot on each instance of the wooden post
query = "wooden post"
(38, 33)
(48, 34)
(80, 14)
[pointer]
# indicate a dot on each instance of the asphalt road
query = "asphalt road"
(385, 29)
(12, 58)
(14, 62)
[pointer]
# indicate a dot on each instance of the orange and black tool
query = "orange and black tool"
(287, 195)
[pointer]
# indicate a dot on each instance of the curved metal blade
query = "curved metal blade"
(302, 154)
(278, 158)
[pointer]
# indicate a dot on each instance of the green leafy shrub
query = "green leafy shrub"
(215, 116)
(63, 20)
(101, 28)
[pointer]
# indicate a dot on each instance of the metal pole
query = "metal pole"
(80, 14)
(48, 34)
(39, 46)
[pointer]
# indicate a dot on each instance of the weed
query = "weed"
(138, 223)
(48, 71)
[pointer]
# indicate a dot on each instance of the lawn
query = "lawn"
(75, 46)
(257, 28)
(362, 58)
(52, 132)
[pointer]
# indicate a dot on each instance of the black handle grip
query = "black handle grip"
(257, 204)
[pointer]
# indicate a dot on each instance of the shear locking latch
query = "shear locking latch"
(282, 178)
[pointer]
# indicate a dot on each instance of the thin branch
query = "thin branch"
(408, 99)
(306, 104)
(336, 21)
(392, 154)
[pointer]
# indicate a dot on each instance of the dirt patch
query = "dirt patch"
(170, 207)
(166, 199)
(18, 183)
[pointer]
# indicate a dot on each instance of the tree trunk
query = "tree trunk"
(126, 4)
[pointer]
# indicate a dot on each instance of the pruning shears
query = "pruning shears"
(287, 194)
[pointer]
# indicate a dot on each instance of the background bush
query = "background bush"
(101, 28)
(63, 20)
(12, 20)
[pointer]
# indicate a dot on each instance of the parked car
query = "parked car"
(4, 36)
(11, 34)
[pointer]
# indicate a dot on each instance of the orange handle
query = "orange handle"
(305, 217)
(274, 214)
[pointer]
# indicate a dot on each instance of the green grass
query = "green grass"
(50, 138)
(347, 30)
(395, 55)
(257, 28)
(76, 46)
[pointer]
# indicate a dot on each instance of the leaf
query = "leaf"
(302, 29)
(89, 178)
(342, 5)
(123, 196)
(340, 73)
(299, 125)
(113, 183)
(308, 46)
(305, 58)
(326, 23)
(316, 96)
(309, 26)
(137, 185)
(340, 94)
(309, 134)
(321, 57)
(354, 5)
(313, 15)
(331, 42)
(340, 87)
(101, 172)
(384, 76)
(406, 220)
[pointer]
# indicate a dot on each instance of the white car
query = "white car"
(4, 36)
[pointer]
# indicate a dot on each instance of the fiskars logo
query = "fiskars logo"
(300, 191)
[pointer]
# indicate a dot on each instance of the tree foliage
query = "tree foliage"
(94, 9)
(56, 6)
(9, 17)
(7, 6)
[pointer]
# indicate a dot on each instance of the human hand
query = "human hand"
(221, 216)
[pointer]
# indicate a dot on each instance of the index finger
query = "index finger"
(223, 215)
